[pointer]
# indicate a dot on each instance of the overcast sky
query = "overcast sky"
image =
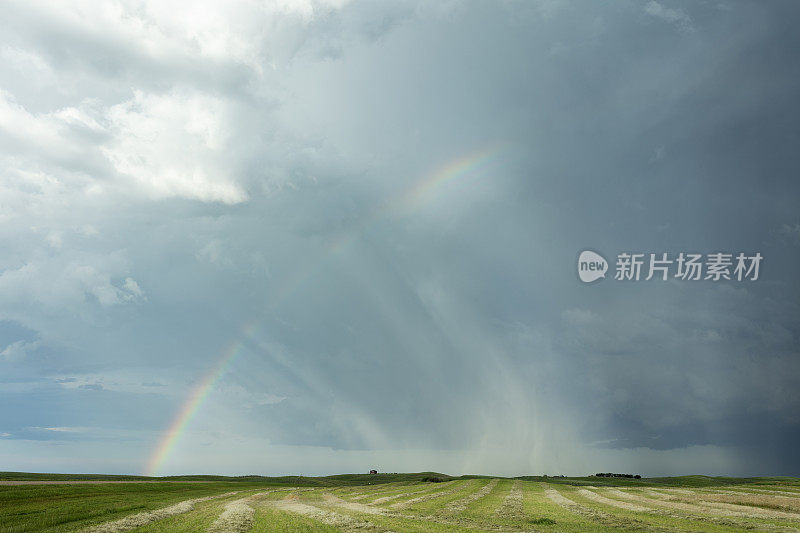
(377, 208)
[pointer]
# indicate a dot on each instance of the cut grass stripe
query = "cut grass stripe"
(719, 508)
(199, 519)
(653, 517)
(437, 502)
(269, 520)
(65, 508)
(439, 492)
(404, 521)
(408, 492)
(321, 514)
(459, 505)
(546, 509)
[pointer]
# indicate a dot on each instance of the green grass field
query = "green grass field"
(396, 502)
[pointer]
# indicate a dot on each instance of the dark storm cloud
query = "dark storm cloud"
(166, 184)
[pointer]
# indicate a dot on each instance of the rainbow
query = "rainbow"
(194, 402)
(405, 203)
(427, 187)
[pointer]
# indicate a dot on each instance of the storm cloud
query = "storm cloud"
(381, 206)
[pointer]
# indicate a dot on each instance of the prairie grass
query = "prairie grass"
(405, 503)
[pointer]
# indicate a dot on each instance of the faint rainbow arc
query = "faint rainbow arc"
(195, 401)
(415, 196)
(409, 200)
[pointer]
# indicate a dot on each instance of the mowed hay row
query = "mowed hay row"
(393, 520)
(512, 498)
(269, 520)
(753, 488)
(612, 514)
(609, 514)
(411, 519)
(778, 502)
(491, 498)
(556, 497)
(437, 502)
(667, 506)
(351, 492)
(589, 493)
(370, 491)
(399, 492)
(543, 506)
(408, 492)
(642, 512)
(64, 507)
(477, 504)
(336, 514)
(368, 494)
(200, 518)
(144, 518)
(334, 501)
(655, 505)
(456, 486)
(237, 516)
(409, 523)
(717, 505)
(314, 514)
(723, 489)
(748, 510)
(499, 509)
(459, 505)
(355, 493)
(778, 490)
(656, 500)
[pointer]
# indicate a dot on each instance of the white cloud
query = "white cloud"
(130, 380)
(61, 429)
(181, 35)
(46, 134)
(18, 350)
(131, 290)
(174, 145)
(79, 117)
(54, 283)
(670, 15)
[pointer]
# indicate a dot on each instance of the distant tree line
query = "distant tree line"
(609, 474)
